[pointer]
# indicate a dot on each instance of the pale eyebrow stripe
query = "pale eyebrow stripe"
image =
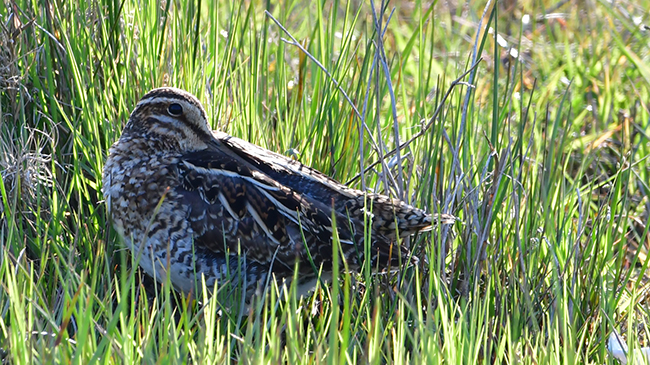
(168, 95)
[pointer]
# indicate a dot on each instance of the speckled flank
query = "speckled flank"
(188, 201)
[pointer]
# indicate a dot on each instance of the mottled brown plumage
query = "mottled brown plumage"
(189, 201)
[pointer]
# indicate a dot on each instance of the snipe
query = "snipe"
(189, 201)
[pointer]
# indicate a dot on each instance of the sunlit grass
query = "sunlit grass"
(542, 152)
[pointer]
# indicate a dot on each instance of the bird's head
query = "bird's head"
(170, 118)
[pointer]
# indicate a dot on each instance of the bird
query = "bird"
(196, 204)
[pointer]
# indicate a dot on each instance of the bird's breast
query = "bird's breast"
(134, 185)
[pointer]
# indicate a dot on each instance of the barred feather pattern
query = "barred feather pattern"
(190, 202)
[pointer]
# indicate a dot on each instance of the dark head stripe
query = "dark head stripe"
(147, 106)
(178, 94)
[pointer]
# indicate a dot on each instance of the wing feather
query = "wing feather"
(233, 204)
(386, 212)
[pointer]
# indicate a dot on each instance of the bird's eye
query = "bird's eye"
(175, 109)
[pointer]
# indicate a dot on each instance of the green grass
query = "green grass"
(544, 160)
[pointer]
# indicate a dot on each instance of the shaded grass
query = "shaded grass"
(544, 159)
